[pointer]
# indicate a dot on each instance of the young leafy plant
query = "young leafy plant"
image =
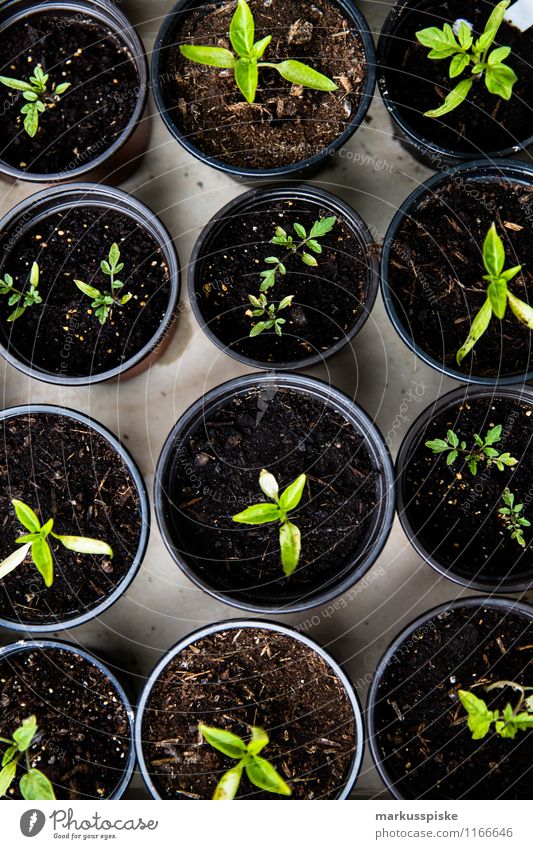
(36, 543)
(498, 294)
(507, 723)
(306, 242)
(278, 511)
(270, 312)
(483, 451)
(467, 52)
(245, 64)
(104, 301)
(33, 784)
(260, 771)
(28, 298)
(513, 518)
(36, 95)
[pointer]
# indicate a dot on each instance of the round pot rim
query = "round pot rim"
(355, 17)
(63, 645)
(504, 168)
(144, 509)
(108, 197)
(470, 601)
(123, 29)
(354, 413)
(261, 624)
(447, 401)
(247, 202)
(431, 148)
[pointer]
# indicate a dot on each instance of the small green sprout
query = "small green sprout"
(507, 723)
(270, 311)
(512, 517)
(30, 297)
(36, 95)
(499, 78)
(498, 294)
(246, 65)
(483, 451)
(263, 513)
(104, 301)
(33, 785)
(36, 542)
(260, 771)
(307, 242)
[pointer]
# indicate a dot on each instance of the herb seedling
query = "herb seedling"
(263, 513)
(498, 294)
(512, 517)
(33, 785)
(38, 98)
(483, 451)
(260, 771)
(29, 297)
(307, 242)
(36, 542)
(104, 301)
(508, 722)
(464, 52)
(246, 65)
(270, 311)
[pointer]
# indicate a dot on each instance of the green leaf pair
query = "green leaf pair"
(21, 300)
(507, 723)
(33, 785)
(513, 518)
(482, 451)
(34, 93)
(102, 302)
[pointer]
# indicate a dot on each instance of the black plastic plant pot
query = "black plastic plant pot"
(241, 673)
(416, 724)
(77, 39)
(69, 468)
(334, 299)
(67, 231)
(290, 425)
(86, 750)
(432, 270)
(271, 148)
(484, 125)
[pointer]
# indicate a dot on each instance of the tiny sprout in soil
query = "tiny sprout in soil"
(29, 297)
(38, 99)
(260, 771)
(263, 513)
(464, 52)
(33, 785)
(508, 722)
(482, 452)
(270, 311)
(104, 301)
(36, 543)
(246, 65)
(512, 517)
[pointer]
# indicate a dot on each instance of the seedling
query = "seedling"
(246, 64)
(37, 96)
(270, 311)
(263, 513)
(465, 52)
(507, 723)
(36, 543)
(498, 294)
(33, 785)
(512, 517)
(307, 242)
(260, 771)
(482, 452)
(28, 298)
(104, 301)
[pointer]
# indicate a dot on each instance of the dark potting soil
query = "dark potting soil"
(62, 335)
(91, 114)
(456, 514)
(287, 123)
(65, 471)
(238, 678)
(484, 122)
(421, 731)
(82, 743)
(328, 300)
(436, 272)
(215, 475)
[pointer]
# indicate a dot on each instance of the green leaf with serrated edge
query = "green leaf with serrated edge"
(498, 55)
(228, 785)
(258, 514)
(500, 80)
(436, 38)
(19, 85)
(84, 545)
(309, 260)
(292, 495)
(269, 484)
(215, 57)
(494, 435)
(6, 777)
(258, 741)
(473, 467)
(480, 717)
(300, 231)
(300, 74)
(9, 754)
(263, 775)
(437, 445)
(242, 29)
(479, 325)
(314, 246)
(90, 291)
(42, 557)
(464, 35)
(290, 542)
(458, 64)
(24, 735)
(497, 295)
(14, 560)
(35, 786)
(260, 46)
(323, 226)
(247, 77)
(522, 311)
(453, 439)
(224, 741)
(258, 328)
(26, 516)
(452, 100)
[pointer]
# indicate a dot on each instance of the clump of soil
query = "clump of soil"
(238, 678)
(328, 300)
(82, 743)
(62, 335)
(66, 471)
(436, 271)
(287, 123)
(92, 113)
(421, 730)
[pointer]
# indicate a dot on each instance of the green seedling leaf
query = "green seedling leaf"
(260, 47)
(84, 545)
(493, 252)
(35, 786)
(242, 29)
(454, 99)
(292, 495)
(258, 514)
(90, 291)
(24, 735)
(228, 785)
(258, 741)
(42, 557)
(300, 74)
(14, 560)
(264, 775)
(522, 311)
(215, 57)
(269, 484)
(224, 741)
(247, 78)
(479, 325)
(26, 516)
(497, 294)
(6, 777)
(480, 717)
(290, 545)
